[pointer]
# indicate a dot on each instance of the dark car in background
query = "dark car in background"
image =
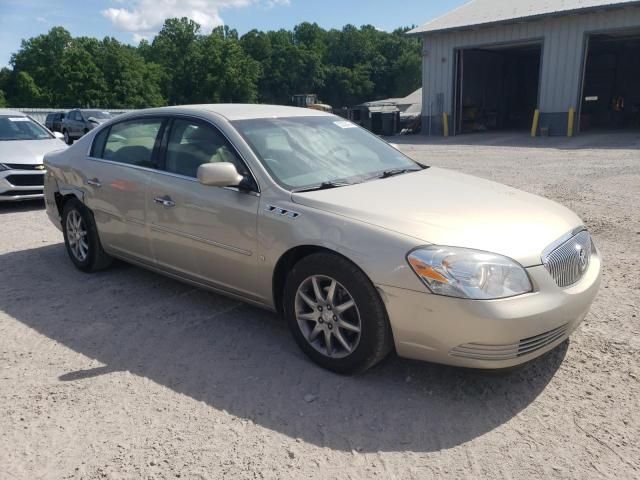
(54, 121)
(77, 122)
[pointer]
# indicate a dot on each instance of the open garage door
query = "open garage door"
(496, 88)
(611, 89)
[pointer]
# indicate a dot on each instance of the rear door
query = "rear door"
(203, 232)
(73, 125)
(118, 173)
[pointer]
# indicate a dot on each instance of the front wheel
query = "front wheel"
(67, 138)
(336, 314)
(81, 238)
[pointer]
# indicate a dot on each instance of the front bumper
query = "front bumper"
(21, 185)
(489, 333)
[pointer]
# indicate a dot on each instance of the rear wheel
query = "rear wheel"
(335, 314)
(67, 139)
(81, 238)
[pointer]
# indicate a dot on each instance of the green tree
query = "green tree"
(40, 58)
(175, 50)
(181, 65)
(130, 81)
(27, 93)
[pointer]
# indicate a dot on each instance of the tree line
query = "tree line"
(181, 65)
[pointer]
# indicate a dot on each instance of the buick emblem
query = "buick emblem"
(582, 257)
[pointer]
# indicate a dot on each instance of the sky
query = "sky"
(131, 20)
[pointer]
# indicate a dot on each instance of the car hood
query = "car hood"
(443, 207)
(28, 152)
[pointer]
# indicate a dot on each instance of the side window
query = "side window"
(97, 148)
(192, 143)
(131, 142)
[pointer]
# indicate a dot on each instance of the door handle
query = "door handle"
(94, 182)
(165, 201)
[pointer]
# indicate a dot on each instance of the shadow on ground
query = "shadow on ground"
(242, 360)
(23, 206)
(627, 140)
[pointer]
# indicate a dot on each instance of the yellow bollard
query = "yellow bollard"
(445, 123)
(534, 126)
(570, 121)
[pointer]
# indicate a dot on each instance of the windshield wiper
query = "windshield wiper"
(396, 171)
(322, 186)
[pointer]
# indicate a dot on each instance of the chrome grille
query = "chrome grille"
(23, 166)
(480, 351)
(567, 260)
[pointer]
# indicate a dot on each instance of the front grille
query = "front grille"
(26, 180)
(19, 193)
(20, 166)
(480, 351)
(568, 261)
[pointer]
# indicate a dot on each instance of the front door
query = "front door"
(117, 179)
(198, 231)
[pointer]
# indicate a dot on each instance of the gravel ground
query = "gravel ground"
(127, 374)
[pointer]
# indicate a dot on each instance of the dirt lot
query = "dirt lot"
(126, 374)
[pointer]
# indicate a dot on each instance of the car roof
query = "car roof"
(239, 111)
(12, 113)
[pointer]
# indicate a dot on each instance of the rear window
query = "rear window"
(129, 142)
(97, 149)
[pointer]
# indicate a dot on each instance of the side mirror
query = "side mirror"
(58, 135)
(220, 174)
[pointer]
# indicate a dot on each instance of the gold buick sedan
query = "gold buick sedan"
(360, 248)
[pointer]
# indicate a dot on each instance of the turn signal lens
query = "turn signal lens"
(465, 273)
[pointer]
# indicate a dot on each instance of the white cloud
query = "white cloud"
(144, 17)
(138, 37)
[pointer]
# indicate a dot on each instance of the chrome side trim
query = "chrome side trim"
(167, 174)
(206, 241)
(109, 214)
(201, 284)
(135, 221)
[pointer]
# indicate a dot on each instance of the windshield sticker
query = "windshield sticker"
(18, 119)
(345, 124)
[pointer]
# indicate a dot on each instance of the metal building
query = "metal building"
(489, 64)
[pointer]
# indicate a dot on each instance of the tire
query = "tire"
(67, 138)
(310, 320)
(81, 237)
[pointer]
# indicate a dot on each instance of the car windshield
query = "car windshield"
(97, 114)
(302, 152)
(21, 128)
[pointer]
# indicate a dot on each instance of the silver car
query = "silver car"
(23, 143)
(360, 248)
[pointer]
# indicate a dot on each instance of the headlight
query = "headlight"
(465, 273)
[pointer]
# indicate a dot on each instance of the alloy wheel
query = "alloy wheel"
(328, 316)
(77, 235)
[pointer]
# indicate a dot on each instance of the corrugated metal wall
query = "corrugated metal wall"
(561, 72)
